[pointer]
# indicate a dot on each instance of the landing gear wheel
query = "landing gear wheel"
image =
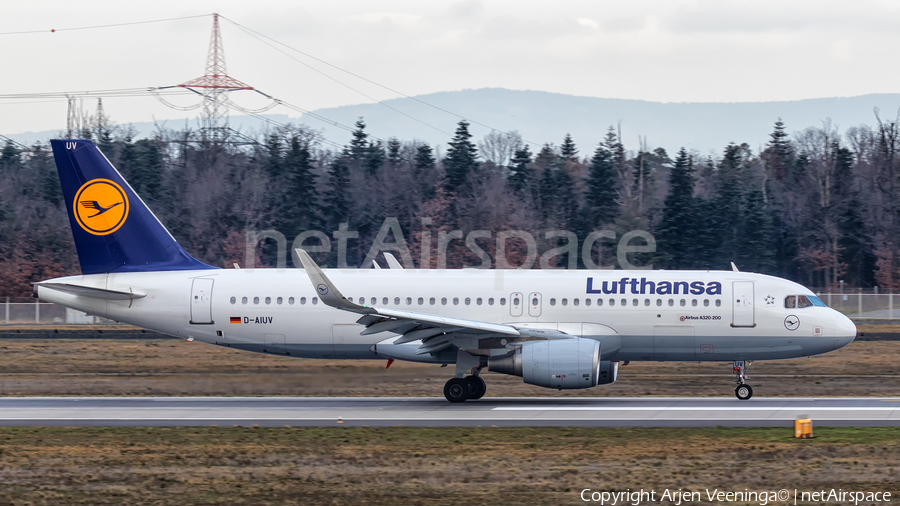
(456, 390)
(477, 387)
(743, 392)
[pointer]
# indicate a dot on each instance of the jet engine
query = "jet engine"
(558, 363)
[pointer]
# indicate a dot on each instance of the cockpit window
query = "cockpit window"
(816, 301)
(801, 301)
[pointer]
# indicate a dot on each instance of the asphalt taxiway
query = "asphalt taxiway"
(422, 412)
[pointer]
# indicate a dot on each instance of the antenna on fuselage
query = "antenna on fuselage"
(392, 261)
(734, 267)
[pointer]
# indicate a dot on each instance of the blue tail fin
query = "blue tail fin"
(114, 230)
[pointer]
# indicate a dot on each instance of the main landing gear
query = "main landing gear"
(463, 389)
(743, 391)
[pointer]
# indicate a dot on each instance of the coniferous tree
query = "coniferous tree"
(601, 204)
(393, 152)
(461, 159)
(567, 150)
(337, 196)
(302, 203)
(519, 176)
(780, 152)
(675, 234)
(374, 158)
(424, 159)
(756, 252)
(728, 205)
(359, 144)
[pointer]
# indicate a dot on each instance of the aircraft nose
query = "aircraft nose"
(844, 331)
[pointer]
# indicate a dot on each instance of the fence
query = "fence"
(29, 311)
(859, 305)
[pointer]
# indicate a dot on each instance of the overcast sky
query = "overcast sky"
(659, 50)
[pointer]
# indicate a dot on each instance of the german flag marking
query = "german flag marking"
(235, 319)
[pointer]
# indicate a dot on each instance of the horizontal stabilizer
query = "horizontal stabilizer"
(94, 293)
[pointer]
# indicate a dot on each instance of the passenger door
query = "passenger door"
(201, 301)
(743, 312)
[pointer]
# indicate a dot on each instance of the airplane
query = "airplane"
(563, 329)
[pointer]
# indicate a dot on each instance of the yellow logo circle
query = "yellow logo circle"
(101, 206)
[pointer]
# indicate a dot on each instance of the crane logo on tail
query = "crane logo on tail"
(100, 207)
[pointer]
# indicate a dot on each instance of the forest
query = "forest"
(816, 205)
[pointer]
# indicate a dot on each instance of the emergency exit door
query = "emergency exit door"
(743, 313)
(201, 301)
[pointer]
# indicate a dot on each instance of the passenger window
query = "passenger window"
(516, 302)
(552, 301)
(478, 301)
(634, 302)
(291, 301)
(705, 302)
(234, 300)
(443, 301)
(646, 302)
(396, 301)
(694, 302)
(599, 302)
(409, 301)
(373, 301)
(671, 302)
(421, 301)
(279, 300)
(659, 302)
(384, 301)
(564, 301)
(803, 301)
(587, 302)
(455, 301)
(574, 301)
(302, 300)
(243, 300)
(431, 301)
(315, 300)
(718, 302)
(256, 300)
(790, 301)
(612, 302)
(682, 302)
(268, 300)
(624, 302)
(490, 301)
(502, 301)
(468, 301)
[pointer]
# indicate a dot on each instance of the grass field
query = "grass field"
(171, 367)
(446, 466)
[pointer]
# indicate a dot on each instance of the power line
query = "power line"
(258, 37)
(53, 30)
(247, 29)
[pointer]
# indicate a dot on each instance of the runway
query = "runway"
(422, 412)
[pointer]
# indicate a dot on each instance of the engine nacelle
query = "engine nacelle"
(559, 363)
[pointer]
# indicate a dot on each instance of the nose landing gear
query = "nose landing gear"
(743, 391)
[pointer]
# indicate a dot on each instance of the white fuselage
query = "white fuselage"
(277, 310)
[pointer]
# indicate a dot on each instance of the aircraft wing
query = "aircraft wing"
(436, 332)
